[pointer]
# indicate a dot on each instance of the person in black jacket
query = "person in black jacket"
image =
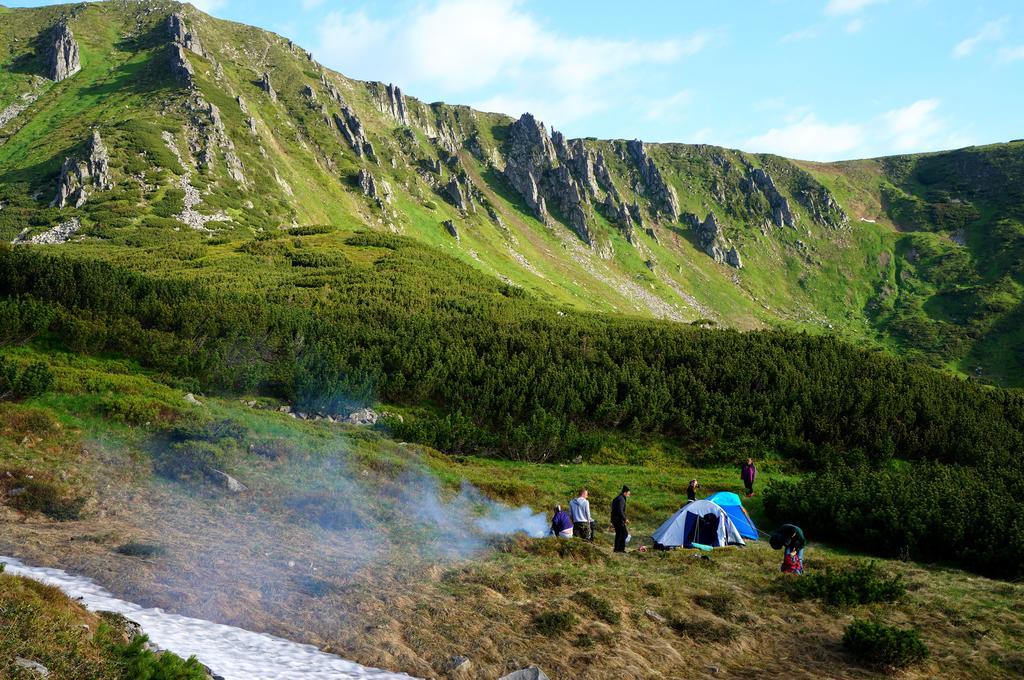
(619, 520)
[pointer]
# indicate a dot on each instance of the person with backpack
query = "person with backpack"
(791, 539)
(747, 473)
(619, 520)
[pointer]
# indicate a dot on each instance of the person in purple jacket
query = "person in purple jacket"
(561, 523)
(747, 473)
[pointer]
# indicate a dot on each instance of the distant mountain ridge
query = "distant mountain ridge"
(139, 125)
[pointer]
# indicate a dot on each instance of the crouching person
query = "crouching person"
(582, 522)
(561, 524)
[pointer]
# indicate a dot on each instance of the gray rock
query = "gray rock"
(180, 66)
(62, 233)
(267, 87)
(191, 399)
(781, 214)
(822, 206)
(654, 616)
(457, 191)
(180, 34)
(449, 226)
(529, 673)
(732, 258)
(662, 196)
(78, 176)
(33, 667)
(712, 239)
(309, 93)
(227, 481)
(604, 176)
(392, 102)
(63, 58)
(351, 128)
(363, 416)
(380, 191)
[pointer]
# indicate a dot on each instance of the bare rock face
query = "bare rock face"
(215, 136)
(63, 55)
(715, 244)
(532, 168)
(379, 191)
(781, 214)
(604, 176)
(78, 176)
(309, 93)
(823, 207)
(392, 102)
(180, 34)
(180, 66)
(663, 197)
(351, 128)
(267, 87)
(458, 192)
(449, 226)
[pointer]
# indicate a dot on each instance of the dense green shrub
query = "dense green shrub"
(555, 622)
(30, 381)
(930, 511)
(600, 607)
(140, 663)
(880, 646)
(134, 549)
(188, 459)
(861, 584)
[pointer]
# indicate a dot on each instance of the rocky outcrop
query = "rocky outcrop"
(604, 176)
(715, 244)
(579, 159)
(392, 102)
(781, 214)
(309, 93)
(226, 481)
(449, 226)
(351, 128)
(181, 69)
(458, 192)
(662, 196)
(532, 168)
(62, 59)
(180, 34)
(529, 154)
(62, 233)
(823, 207)
(528, 673)
(267, 87)
(378, 190)
(79, 176)
(216, 137)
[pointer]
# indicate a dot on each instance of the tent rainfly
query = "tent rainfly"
(698, 522)
(733, 506)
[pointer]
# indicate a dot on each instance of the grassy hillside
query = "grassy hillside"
(330, 545)
(871, 250)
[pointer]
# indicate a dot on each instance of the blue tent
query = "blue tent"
(733, 506)
(698, 523)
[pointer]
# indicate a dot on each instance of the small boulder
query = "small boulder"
(449, 226)
(227, 481)
(33, 667)
(528, 673)
(654, 616)
(363, 416)
(191, 399)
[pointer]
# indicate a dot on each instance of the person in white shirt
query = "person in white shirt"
(582, 522)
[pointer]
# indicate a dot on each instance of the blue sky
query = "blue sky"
(816, 79)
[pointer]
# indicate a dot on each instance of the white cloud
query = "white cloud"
(809, 138)
(993, 30)
(457, 48)
(669, 107)
(842, 7)
(799, 35)
(1009, 54)
(915, 127)
(854, 26)
(209, 6)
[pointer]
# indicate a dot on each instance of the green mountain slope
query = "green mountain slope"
(249, 135)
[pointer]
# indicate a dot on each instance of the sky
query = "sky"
(810, 79)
